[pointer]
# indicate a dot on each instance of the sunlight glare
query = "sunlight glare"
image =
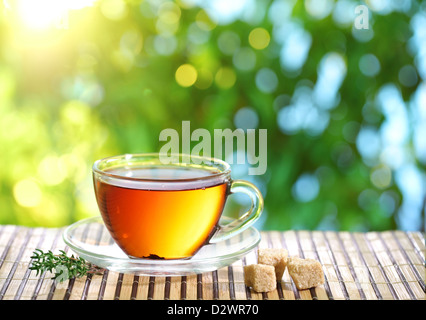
(43, 14)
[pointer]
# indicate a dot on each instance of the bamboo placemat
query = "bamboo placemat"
(385, 265)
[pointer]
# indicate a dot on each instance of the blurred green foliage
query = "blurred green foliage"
(107, 84)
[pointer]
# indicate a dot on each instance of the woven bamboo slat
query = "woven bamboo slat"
(385, 265)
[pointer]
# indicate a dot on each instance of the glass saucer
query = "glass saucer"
(90, 239)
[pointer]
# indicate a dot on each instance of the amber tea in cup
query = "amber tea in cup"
(168, 211)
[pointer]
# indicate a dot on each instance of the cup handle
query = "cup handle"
(248, 218)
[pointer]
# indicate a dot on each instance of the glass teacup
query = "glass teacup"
(168, 211)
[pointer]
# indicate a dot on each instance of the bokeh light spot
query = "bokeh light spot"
(367, 198)
(186, 75)
(165, 44)
(388, 202)
(76, 113)
(52, 170)
(381, 177)
(319, 9)
(204, 21)
(306, 188)
(225, 78)
(246, 118)
(363, 35)
(369, 65)
(368, 143)
(296, 45)
(131, 41)
(27, 193)
(228, 42)
(169, 12)
(343, 12)
(244, 59)
(114, 9)
(331, 73)
(197, 35)
(266, 80)
(50, 212)
(259, 38)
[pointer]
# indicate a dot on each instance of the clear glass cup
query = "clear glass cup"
(159, 209)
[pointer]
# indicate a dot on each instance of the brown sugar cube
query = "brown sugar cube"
(306, 273)
(260, 277)
(274, 257)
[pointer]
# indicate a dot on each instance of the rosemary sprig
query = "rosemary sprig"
(61, 265)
